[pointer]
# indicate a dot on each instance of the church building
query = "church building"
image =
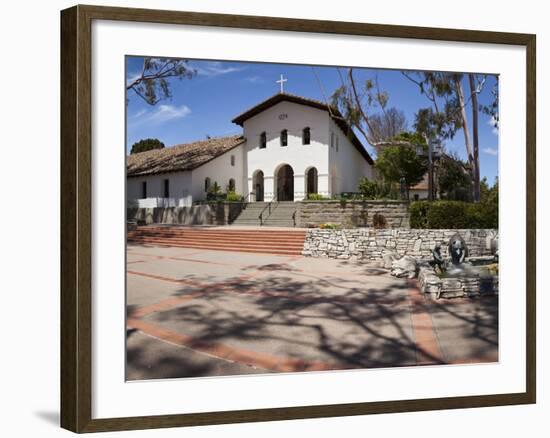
(290, 147)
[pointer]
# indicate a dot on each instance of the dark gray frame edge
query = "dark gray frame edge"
(76, 314)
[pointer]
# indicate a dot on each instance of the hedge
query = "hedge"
(453, 214)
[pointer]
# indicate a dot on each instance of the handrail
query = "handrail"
(247, 197)
(268, 206)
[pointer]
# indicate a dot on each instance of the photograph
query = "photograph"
(285, 218)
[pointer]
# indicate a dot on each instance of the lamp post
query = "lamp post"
(430, 172)
(434, 151)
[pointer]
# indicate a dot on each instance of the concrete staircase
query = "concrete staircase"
(274, 214)
(280, 242)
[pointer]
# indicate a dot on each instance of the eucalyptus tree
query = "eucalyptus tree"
(447, 112)
(365, 107)
(152, 83)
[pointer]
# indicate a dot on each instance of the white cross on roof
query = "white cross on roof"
(282, 81)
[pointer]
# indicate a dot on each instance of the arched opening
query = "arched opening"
(207, 184)
(284, 178)
(258, 184)
(311, 181)
(231, 185)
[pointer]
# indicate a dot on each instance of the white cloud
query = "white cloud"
(254, 79)
(160, 114)
(491, 151)
(214, 68)
(138, 114)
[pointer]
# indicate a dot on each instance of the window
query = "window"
(166, 188)
(337, 142)
(206, 184)
(144, 189)
(306, 136)
(231, 186)
(284, 137)
(232, 160)
(332, 137)
(263, 140)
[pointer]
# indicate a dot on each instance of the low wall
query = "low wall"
(372, 244)
(206, 214)
(353, 213)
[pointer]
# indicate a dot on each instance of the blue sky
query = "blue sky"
(206, 104)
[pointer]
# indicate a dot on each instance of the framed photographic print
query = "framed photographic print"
(268, 219)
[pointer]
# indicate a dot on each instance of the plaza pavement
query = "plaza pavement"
(195, 313)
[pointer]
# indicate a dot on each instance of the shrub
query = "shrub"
(368, 188)
(419, 212)
(316, 197)
(330, 226)
(216, 197)
(452, 214)
(448, 214)
(376, 189)
(232, 196)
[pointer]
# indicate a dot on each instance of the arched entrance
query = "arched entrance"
(284, 178)
(311, 181)
(258, 185)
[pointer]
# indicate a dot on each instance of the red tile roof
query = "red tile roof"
(180, 157)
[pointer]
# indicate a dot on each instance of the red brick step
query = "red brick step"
(280, 242)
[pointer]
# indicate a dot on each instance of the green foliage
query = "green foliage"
(146, 144)
(454, 180)
(232, 196)
(452, 214)
(316, 197)
(412, 137)
(215, 193)
(375, 190)
(443, 120)
(400, 161)
(348, 196)
(418, 211)
(330, 226)
(215, 188)
(368, 188)
(153, 85)
(489, 199)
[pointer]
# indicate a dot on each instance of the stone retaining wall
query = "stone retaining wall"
(456, 287)
(206, 214)
(372, 244)
(353, 213)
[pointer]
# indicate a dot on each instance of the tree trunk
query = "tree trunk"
(475, 132)
(465, 128)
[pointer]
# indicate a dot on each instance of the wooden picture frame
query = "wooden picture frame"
(76, 218)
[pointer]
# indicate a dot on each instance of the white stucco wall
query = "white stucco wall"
(188, 186)
(180, 194)
(347, 165)
(294, 118)
(220, 170)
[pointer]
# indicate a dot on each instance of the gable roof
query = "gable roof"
(180, 157)
(333, 112)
